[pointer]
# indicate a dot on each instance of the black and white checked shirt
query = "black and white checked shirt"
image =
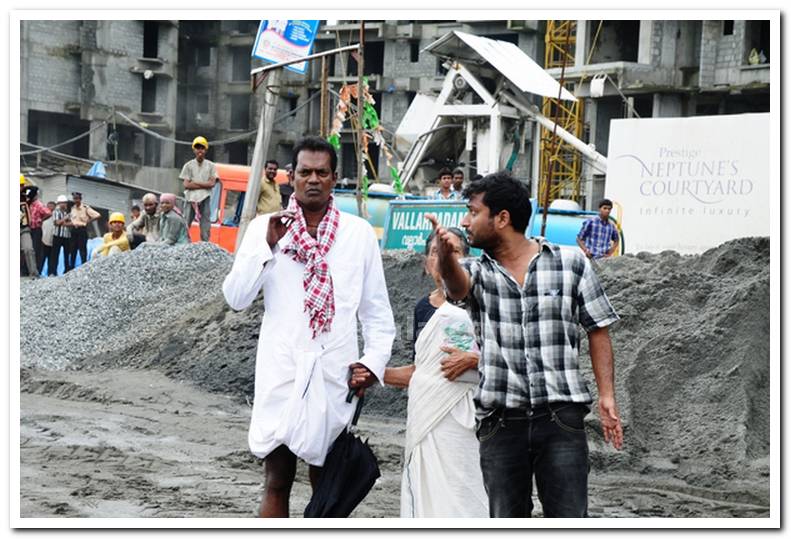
(529, 336)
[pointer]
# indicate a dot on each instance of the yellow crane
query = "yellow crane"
(561, 164)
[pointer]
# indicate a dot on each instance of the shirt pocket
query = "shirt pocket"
(347, 283)
(551, 305)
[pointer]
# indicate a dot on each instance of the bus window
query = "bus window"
(233, 208)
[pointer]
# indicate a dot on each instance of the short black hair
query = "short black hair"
(605, 202)
(477, 177)
(315, 144)
(465, 244)
(501, 191)
(273, 162)
(136, 207)
(458, 171)
(445, 171)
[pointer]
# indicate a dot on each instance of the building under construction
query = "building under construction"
(132, 94)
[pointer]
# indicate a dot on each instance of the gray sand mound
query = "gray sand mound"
(111, 303)
(692, 348)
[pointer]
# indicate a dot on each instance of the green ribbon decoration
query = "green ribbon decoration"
(397, 185)
(335, 141)
(364, 188)
(370, 118)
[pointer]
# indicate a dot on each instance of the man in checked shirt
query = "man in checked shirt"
(527, 298)
(598, 236)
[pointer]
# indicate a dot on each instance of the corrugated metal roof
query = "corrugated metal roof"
(503, 56)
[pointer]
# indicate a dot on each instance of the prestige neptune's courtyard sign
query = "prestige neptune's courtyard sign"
(689, 184)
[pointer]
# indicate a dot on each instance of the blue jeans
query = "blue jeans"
(548, 442)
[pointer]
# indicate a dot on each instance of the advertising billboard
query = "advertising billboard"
(690, 184)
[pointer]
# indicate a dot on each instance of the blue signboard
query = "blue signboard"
(282, 41)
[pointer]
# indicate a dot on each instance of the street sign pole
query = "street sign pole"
(265, 124)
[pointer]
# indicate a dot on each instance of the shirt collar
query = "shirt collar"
(543, 245)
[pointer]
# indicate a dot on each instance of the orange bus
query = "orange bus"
(226, 204)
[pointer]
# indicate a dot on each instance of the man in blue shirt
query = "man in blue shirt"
(598, 237)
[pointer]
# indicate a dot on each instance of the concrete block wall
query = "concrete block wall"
(398, 62)
(708, 52)
(53, 70)
(119, 43)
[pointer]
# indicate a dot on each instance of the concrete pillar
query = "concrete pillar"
(581, 45)
(24, 103)
(646, 41)
(97, 145)
(169, 49)
(591, 118)
(667, 106)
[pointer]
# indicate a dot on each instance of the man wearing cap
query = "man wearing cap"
(116, 241)
(199, 176)
(81, 216)
(38, 212)
(47, 230)
(25, 237)
(61, 236)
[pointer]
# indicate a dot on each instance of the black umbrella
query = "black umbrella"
(349, 472)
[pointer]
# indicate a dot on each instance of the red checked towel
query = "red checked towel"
(319, 295)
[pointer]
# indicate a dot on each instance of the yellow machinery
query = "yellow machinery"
(560, 40)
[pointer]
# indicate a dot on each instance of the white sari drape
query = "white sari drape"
(442, 473)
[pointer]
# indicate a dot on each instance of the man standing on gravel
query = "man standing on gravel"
(81, 217)
(320, 271)
(199, 177)
(526, 298)
(61, 239)
(598, 237)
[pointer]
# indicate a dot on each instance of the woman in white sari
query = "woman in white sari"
(442, 473)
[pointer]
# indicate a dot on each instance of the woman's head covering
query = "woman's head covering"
(170, 197)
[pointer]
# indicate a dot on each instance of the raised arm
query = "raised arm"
(457, 281)
(255, 259)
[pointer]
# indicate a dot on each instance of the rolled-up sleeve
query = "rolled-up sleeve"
(375, 314)
(253, 262)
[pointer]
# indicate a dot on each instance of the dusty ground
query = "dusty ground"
(135, 443)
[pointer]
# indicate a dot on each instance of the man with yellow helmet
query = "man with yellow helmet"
(199, 176)
(115, 241)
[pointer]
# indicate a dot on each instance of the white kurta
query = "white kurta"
(301, 383)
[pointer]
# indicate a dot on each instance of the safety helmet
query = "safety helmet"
(117, 217)
(62, 198)
(202, 141)
(22, 179)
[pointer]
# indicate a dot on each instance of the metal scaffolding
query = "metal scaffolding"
(563, 180)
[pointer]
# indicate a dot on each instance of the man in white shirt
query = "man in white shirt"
(199, 176)
(320, 271)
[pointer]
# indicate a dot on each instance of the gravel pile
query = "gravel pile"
(102, 308)
(692, 346)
